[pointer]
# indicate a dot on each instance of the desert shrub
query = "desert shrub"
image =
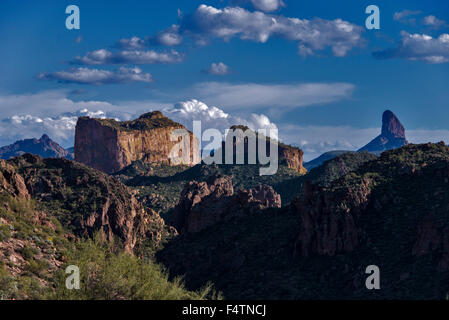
(8, 288)
(36, 267)
(5, 232)
(28, 253)
(109, 275)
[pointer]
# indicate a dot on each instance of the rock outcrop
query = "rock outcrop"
(84, 200)
(44, 147)
(391, 137)
(288, 155)
(329, 226)
(203, 204)
(292, 157)
(11, 183)
(109, 145)
(401, 195)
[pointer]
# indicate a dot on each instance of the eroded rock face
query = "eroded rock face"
(203, 204)
(433, 231)
(84, 200)
(433, 238)
(109, 146)
(328, 221)
(11, 182)
(293, 157)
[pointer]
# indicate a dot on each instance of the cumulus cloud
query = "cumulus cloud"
(267, 5)
(433, 22)
(27, 116)
(168, 37)
(105, 57)
(98, 77)
(25, 124)
(419, 47)
(402, 15)
(186, 112)
(208, 22)
(218, 69)
(51, 112)
(134, 43)
(253, 95)
(60, 128)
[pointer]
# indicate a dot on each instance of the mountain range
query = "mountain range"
(224, 229)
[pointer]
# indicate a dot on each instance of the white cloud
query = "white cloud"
(105, 57)
(98, 77)
(134, 43)
(60, 128)
(316, 140)
(214, 117)
(218, 69)
(419, 47)
(252, 95)
(51, 112)
(401, 15)
(169, 37)
(434, 22)
(267, 5)
(208, 22)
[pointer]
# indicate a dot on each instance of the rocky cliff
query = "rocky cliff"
(83, 200)
(203, 204)
(401, 195)
(391, 137)
(44, 147)
(292, 157)
(390, 211)
(109, 145)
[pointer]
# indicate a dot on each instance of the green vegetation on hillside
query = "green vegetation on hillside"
(108, 274)
(161, 189)
(147, 121)
(255, 257)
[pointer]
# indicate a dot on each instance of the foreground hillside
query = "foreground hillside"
(391, 212)
(56, 212)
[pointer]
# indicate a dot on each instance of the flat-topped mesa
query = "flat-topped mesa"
(109, 145)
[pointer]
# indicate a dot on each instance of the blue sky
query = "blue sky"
(322, 92)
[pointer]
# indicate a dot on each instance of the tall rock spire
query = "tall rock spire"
(391, 137)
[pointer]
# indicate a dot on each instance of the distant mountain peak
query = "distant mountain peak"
(44, 147)
(391, 137)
